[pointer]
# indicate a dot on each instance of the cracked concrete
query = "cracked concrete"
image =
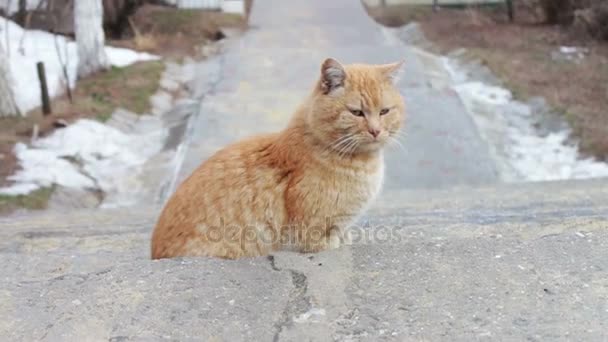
(297, 304)
(495, 263)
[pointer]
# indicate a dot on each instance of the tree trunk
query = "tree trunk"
(8, 107)
(21, 12)
(90, 38)
(558, 11)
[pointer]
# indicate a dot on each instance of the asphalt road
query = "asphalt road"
(258, 82)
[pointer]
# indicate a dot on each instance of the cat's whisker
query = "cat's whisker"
(343, 148)
(397, 134)
(339, 142)
(342, 138)
(346, 150)
(344, 145)
(354, 147)
(358, 141)
(396, 142)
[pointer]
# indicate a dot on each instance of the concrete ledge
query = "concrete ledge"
(503, 262)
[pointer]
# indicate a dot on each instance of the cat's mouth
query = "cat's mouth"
(373, 144)
(353, 143)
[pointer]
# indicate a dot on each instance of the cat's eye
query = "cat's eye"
(357, 112)
(384, 111)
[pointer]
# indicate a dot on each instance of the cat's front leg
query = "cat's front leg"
(339, 237)
(334, 240)
(314, 237)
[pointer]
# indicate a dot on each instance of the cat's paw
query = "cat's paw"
(334, 241)
(347, 238)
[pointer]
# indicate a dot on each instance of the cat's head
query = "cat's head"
(356, 108)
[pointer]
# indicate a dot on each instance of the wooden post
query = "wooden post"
(44, 91)
(510, 10)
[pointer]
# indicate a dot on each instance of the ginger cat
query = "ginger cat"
(298, 189)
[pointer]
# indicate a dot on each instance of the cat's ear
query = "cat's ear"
(332, 75)
(392, 71)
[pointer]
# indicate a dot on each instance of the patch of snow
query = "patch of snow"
(573, 50)
(45, 168)
(28, 47)
(522, 151)
(121, 58)
(527, 142)
(485, 94)
(87, 155)
(569, 53)
(161, 102)
(233, 6)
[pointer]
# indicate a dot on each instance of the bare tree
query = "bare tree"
(22, 12)
(90, 38)
(8, 107)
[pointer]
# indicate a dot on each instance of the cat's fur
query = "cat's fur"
(297, 189)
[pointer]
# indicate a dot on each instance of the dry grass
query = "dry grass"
(96, 96)
(175, 33)
(520, 53)
(145, 42)
(34, 201)
(399, 15)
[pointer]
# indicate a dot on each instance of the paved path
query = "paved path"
(256, 85)
(494, 264)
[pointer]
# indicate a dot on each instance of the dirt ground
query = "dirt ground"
(176, 33)
(521, 54)
(170, 33)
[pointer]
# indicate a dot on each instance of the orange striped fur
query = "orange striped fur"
(297, 189)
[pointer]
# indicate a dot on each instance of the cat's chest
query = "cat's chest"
(349, 191)
(366, 184)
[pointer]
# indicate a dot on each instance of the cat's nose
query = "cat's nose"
(374, 132)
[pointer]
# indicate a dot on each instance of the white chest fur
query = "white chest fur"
(358, 198)
(374, 183)
(358, 189)
(346, 192)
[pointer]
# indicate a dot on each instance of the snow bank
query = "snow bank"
(86, 155)
(527, 141)
(27, 47)
(510, 128)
